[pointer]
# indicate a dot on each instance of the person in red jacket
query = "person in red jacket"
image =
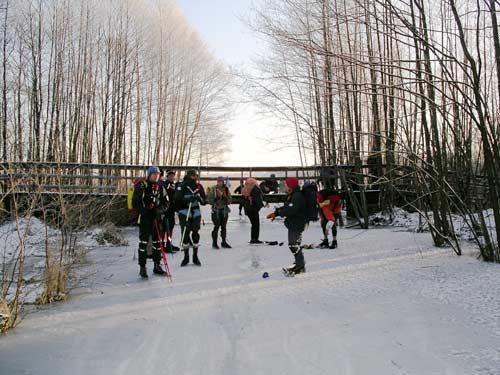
(329, 202)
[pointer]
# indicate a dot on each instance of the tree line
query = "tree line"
(108, 81)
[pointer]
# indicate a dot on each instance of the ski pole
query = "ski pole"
(185, 227)
(163, 255)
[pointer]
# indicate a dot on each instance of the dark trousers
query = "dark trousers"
(191, 230)
(219, 218)
(168, 225)
(170, 221)
(253, 215)
(294, 241)
(147, 232)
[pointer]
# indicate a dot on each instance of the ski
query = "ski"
(308, 246)
(274, 243)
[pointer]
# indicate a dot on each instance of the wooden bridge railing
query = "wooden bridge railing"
(24, 177)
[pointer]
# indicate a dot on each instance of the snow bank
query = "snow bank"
(36, 236)
(418, 223)
(30, 230)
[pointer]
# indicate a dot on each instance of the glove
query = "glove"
(151, 206)
(271, 216)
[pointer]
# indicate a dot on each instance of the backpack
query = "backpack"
(310, 192)
(130, 193)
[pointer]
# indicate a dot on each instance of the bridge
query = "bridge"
(76, 183)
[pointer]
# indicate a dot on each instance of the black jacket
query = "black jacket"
(170, 188)
(150, 199)
(189, 193)
(254, 202)
(270, 185)
(294, 211)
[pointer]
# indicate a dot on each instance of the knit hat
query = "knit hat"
(292, 182)
(220, 178)
(153, 169)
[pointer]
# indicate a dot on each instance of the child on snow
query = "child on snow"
(329, 202)
(294, 212)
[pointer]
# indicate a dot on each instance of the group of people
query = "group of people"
(156, 199)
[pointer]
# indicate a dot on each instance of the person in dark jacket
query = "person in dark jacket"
(219, 197)
(253, 203)
(239, 190)
(270, 185)
(188, 197)
(169, 184)
(295, 221)
(150, 200)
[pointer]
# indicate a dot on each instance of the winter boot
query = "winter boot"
(299, 269)
(196, 261)
(185, 261)
(299, 263)
(143, 273)
(323, 244)
(225, 245)
(214, 241)
(290, 269)
(333, 244)
(157, 270)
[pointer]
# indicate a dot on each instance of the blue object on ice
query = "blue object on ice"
(265, 275)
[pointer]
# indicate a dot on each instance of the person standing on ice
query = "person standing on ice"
(220, 199)
(294, 212)
(188, 197)
(329, 202)
(239, 190)
(150, 200)
(169, 184)
(253, 202)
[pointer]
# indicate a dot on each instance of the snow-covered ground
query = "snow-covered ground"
(416, 222)
(385, 302)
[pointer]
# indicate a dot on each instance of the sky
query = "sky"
(221, 25)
